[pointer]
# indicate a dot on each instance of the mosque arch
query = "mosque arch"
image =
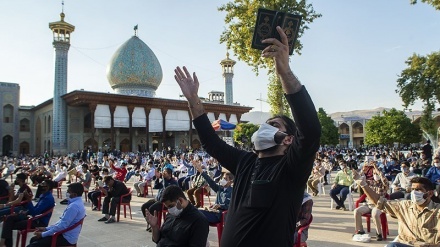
(344, 129)
(8, 114)
(358, 128)
(92, 144)
(49, 124)
(196, 144)
(124, 145)
(25, 125)
(7, 145)
(24, 148)
(38, 136)
(87, 122)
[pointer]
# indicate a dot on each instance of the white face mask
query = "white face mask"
(342, 167)
(417, 197)
(404, 169)
(264, 137)
(67, 195)
(376, 177)
(174, 210)
(223, 182)
(437, 164)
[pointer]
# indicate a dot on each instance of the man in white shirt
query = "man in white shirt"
(402, 183)
(146, 177)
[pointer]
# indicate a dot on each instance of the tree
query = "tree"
(421, 81)
(393, 126)
(434, 3)
(329, 132)
(243, 133)
(240, 21)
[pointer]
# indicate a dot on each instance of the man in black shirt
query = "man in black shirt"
(269, 184)
(115, 191)
(184, 224)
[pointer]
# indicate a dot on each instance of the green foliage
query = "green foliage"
(244, 132)
(393, 126)
(434, 3)
(421, 81)
(275, 96)
(329, 132)
(240, 19)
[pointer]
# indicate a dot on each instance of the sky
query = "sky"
(351, 59)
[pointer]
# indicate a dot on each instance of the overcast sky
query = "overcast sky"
(351, 57)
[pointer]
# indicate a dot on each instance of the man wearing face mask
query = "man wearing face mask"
(184, 225)
(73, 213)
(380, 185)
(433, 174)
(402, 183)
(24, 193)
(417, 218)
(224, 193)
(112, 199)
(269, 183)
(341, 185)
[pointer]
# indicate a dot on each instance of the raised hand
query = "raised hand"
(279, 51)
(151, 219)
(188, 84)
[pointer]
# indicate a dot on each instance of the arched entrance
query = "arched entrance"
(7, 145)
(196, 144)
(92, 144)
(124, 146)
(155, 145)
(24, 148)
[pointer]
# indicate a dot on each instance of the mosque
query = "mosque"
(131, 119)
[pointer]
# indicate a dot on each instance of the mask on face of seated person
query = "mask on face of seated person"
(174, 210)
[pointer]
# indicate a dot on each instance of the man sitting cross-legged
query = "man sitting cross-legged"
(19, 221)
(73, 213)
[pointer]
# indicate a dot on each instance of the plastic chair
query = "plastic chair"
(148, 184)
(55, 236)
(383, 218)
(220, 225)
(301, 229)
(161, 214)
(205, 192)
(349, 199)
(23, 233)
(321, 188)
(122, 203)
(60, 183)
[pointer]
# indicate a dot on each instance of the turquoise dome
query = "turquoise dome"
(134, 69)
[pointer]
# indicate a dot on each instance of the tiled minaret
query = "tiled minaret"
(61, 42)
(228, 73)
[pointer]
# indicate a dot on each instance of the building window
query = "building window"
(25, 125)
(8, 114)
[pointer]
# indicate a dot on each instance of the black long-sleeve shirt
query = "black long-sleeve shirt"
(263, 212)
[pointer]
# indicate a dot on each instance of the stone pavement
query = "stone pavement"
(330, 228)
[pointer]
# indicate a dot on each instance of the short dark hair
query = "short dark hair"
(50, 184)
(172, 193)
(85, 166)
(288, 123)
(427, 184)
(168, 170)
(21, 176)
(108, 178)
(76, 188)
(230, 176)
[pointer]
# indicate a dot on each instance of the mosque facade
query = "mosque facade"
(131, 119)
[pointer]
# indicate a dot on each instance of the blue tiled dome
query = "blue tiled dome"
(134, 69)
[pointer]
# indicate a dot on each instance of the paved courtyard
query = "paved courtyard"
(329, 227)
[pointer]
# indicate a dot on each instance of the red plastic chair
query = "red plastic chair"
(161, 214)
(148, 184)
(205, 192)
(55, 236)
(220, 225)
(122, 203)
(301, 229)
(60, 183)
(23, 233)
(383, 218)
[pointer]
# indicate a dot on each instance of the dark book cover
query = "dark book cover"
(265, 27)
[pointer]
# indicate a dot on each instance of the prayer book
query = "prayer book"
(265, 27)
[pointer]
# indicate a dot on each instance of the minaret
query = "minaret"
(228, 72)
(61, 42)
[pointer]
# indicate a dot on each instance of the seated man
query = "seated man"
(304, 217)
(145, 179)
(155, 205)
(433, 174)
(61, 174)
(341, 185)
(417, 218)
(85, 177)
(184, 224)
(115, 190)
(100, 188)
(224, 193)
(402, 184)
(24, 193)
(19, 221)
(184, 180)
(73, 213)
(318, 173)
(380, 186)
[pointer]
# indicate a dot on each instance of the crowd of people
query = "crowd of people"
(262, 191)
